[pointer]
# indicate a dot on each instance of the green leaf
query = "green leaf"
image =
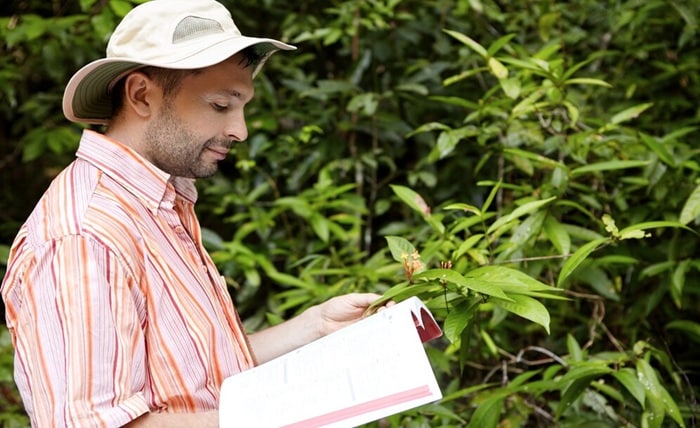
(487, 413)
(365, 103)
(498, 44)
(578, 257)
(490, 198)
(529, 104)
(678, 282)
(414, 88)
(525, 232)
(535, 157)
(5, 253)
(691, 328)
(575, 352)
(464, 207)
(610, 225)
(608, 166)
(328, 87)
(628, 378)
(522, 210)
(691, 208)
(85, 5)
(678, 133)
(320, 225)
(446, 143)
(453, 277)
(656, 393)
(488, 342)
(659, 148)
(573, 112)
(455, 101)
(634, 234)
(557, 235)
(534, 65)
(572, 392)
(418, 204)
(412, 199)
(497, 68)
(526, 307)
(590, 368)
(630, 113)
(467, 245)
(463, 75)
(468, 41)
(210, 238)
(432, 126)
(252, 276)
(284, 278)
(509, 279)
(400, 248)
(120, 7)
(686, 13)
(403, 293)
(449, 139)
(458, 318)
(546, 23)
(576, 67)
(657, 269)
(628, 231)
(587, 81)
(511, 87)
(300, 206)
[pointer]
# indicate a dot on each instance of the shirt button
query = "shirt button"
(204, 268)
(179, 229)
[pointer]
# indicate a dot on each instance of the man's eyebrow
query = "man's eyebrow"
(243, 95)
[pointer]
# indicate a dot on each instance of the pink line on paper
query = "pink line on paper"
(362, 408)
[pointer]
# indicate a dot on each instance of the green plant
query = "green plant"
(551, 144)
(537, 140)
(12, 415)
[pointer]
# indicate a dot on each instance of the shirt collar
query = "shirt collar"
(133, 172)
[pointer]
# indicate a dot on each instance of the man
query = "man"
(117, 313)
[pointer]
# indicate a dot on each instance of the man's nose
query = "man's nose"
(237, 128)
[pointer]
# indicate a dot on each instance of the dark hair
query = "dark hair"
(169, 79)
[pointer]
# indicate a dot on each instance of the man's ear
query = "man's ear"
(141, 94)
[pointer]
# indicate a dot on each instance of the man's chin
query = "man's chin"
(206, 172)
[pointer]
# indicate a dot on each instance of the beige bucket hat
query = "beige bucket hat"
(176, 34)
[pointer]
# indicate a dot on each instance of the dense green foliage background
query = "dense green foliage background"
(528, 168)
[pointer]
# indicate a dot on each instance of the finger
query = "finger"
(364, 299)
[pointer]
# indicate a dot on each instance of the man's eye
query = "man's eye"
(219, 107)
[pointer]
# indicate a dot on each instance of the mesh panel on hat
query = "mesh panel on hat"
(193, 27)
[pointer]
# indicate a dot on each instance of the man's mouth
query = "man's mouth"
(219, 152)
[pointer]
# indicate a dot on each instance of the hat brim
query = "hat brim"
(87, 97)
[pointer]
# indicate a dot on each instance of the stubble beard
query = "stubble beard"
(174, 150)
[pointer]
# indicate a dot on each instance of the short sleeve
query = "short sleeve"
(77, 324)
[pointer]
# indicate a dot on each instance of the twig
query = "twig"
(539, 410)
(550, 354)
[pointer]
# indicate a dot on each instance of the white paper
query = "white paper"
(373, 368)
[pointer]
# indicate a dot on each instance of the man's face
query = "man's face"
(195, 127)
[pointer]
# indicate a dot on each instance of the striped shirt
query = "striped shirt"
(114, 306)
